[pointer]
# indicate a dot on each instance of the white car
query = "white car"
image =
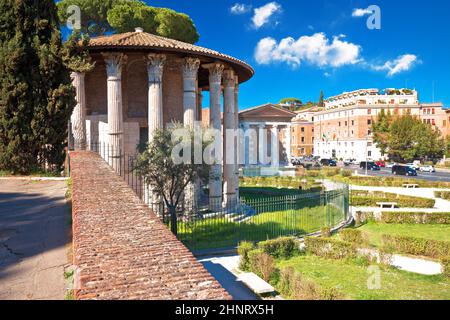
(427, 169)
(390, 164)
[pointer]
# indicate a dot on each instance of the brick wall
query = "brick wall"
(121, 248)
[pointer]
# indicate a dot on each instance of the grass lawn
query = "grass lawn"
(351, 280)
(428, 231)
(219, 232)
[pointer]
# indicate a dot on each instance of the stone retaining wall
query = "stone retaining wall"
(121, 249)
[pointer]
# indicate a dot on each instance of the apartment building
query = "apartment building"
(344, 128)
(302, 132)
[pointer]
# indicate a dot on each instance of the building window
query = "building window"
(433, 111)
(433, 122)
(353, 122)
(303, 129)
(303, 139)
(339, 123)
(369, 132)
(369, 111)
(369, 153)
(369, 122)
(346, 123)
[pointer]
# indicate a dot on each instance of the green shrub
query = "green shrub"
(354, 236)
(416, 246)
(346, 173)
(370, 199)
(284, 247)
(293, 285)
(261, 263)
(329, 248)
(442, 194)
(243, 249)
(391, 182)
(415, 217)
(325, 232)
(446, 266)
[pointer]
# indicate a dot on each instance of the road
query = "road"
(439, 175)
(33, 238)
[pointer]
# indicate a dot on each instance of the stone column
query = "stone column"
(229, 147)
(238, 139)
(215, 179)
(114, 64)
(155, 69)
(199, 104)
(78, 117)
(289, 144)
(246, 144)
(275, 156)
(190, 72)
(262, 145)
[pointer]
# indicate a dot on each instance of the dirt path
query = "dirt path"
(33, 236)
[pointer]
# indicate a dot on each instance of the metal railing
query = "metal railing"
(204, 223)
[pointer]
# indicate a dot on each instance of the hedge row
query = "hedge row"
(446, 266)
(415, 217)
(416, 246)
(284, 247)
(330, 248)
(442, 194)
(391, 182)
(353, 236)
(370, 199)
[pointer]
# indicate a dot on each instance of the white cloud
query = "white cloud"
(400, 64)
(361, 12)
(263, 14)
(316, 50)
(240, 8)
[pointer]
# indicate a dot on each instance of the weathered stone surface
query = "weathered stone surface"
(122, 249)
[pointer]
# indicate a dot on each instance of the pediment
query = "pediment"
(267, 111)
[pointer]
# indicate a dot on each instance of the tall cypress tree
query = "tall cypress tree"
(36, 95)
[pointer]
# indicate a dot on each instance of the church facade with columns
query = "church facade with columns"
(268, 131)
(142, 82)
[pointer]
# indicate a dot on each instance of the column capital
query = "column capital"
(229, 79)
(74, 75)
(155, 66)
(215, 72)
(190, 67)
(114, 63)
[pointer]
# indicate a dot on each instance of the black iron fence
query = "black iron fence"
(204, 223)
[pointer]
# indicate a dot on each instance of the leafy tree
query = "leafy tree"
(321, 103)
(36, 94)
(99, 17)
(292, 103)
(128, 15)
(407, 138)
(167, 178)
(380, 130)
(176, 26)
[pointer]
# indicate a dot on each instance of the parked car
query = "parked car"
(414, 165)
(370, 165)
(381, 164)
(430, 169)
(403, 170)
(328, 162)
(390, 165)
(348, 162)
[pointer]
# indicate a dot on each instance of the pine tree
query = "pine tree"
(36, 94)
(321, 103)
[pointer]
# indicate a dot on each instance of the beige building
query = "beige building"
(142, 82)
(344, 129)
(302, 133)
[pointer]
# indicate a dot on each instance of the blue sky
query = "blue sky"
(299, 47)
(412, 48)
